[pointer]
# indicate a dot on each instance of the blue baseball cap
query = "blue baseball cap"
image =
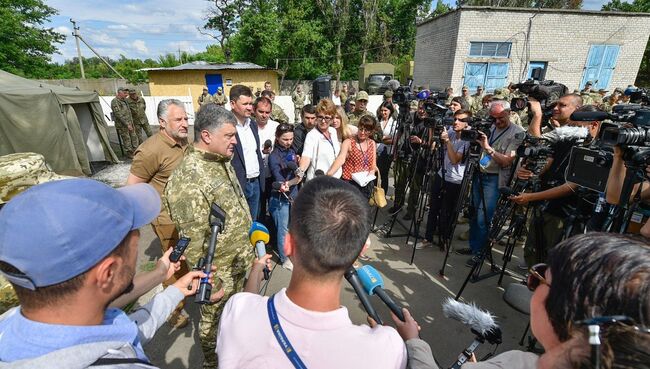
(58, 230)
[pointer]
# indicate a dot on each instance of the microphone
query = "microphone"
(589, 116)
(566, 133)
(353, 278)
(267, 144)
(481, 322)
(259, 237)
(393, 85)
(373, 284)
(318, 172)
(292, 165)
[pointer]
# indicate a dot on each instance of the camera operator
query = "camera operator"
(410, 139)
(560, 194)
(497, 157)
(564, 107)
(615, 185)
(442, 207)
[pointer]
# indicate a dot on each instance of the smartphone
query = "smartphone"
(180, 247)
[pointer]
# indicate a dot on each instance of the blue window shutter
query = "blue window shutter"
(600, 66)
(475, 74)
(497, 75)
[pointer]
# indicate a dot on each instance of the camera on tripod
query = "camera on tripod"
(477, 126)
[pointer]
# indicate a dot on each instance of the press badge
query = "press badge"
(485, 160)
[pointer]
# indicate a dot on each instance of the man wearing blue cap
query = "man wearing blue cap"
(69, 249)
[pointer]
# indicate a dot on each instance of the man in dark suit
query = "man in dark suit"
(247, 159)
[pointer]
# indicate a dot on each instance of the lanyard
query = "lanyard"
(365, 155)
(330, 141)
(499, 136)
(286, 346)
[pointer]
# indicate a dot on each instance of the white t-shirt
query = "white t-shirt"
(267, 133)
(321, 339)
(321, 151)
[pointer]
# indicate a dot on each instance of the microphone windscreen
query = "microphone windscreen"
(319, 172)
(393, 84)
(258, 232)
(370, 279)
(292, 165)
(276, 185)
(267, 144)
(589, 116)
(468, 314)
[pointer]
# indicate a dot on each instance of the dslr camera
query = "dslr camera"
(477, 126)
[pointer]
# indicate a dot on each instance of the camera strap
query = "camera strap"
(491, 141)
(282, 339)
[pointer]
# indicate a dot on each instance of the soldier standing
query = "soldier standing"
(220, 98)
(205, 97)
(206, 176)
(477, 100)
(124, 122)
(298, 98)
(467, 96)
(344, 93)
(277, 114)
(139, 114)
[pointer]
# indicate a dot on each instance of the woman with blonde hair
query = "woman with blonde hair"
(340, 124)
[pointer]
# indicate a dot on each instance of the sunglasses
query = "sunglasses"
(536, 276)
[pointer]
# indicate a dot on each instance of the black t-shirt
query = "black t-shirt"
(555, 176)
(299, 134)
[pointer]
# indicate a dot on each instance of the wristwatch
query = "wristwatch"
(490, 152)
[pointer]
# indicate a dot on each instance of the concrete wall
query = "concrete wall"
(560, 38)
(191, 82)
(103, 86)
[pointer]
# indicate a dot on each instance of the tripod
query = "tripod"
(470, 170)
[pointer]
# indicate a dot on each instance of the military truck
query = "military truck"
(374, 77)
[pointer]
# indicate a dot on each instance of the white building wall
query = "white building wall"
(561, 38)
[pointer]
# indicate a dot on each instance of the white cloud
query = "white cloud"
(102, 38)
(140, 46)
(183, 46)
(63, 30)
(118, 27)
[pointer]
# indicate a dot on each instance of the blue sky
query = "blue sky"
(143, 29)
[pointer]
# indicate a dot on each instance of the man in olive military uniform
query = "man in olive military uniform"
(277, 114)
(586, 97)
(220, 98)
(450, 95)
(139, 114)
(124, 122)
(205, 98)
(19, 172)
(206, 176)
(587, 87)
(612, 99)
(477, 100)
(298, 98)
(359, 111)
(465, 94)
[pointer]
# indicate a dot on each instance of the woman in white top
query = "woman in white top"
(384, 150)
(322, 145)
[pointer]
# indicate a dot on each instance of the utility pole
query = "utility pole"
(76, 38)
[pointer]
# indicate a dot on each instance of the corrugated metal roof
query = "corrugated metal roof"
(202, 65)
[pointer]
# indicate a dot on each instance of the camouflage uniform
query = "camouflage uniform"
(138, 113)
(220, 99)
(124, 125)
(201, 179)
(205, 99)
(19, 172)
(298, 99)
(586, 98)
(278, 115)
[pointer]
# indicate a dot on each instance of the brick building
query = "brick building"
(495, 46)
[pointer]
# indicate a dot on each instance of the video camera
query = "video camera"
(477, 126)
(546, 92)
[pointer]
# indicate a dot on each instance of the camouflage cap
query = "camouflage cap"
(21, 171)
(388, 93)
(361, 95)
(619, 90)
(205, 88)
(589, 83)
(132, 91)
(479, 87)
(122, 89)
(414, 104)
(602, 90)
(465, 88)
(499, 94)
(220, 88)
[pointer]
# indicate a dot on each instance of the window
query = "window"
(489, 49)
(489, 75)
(537, 65)
(601, 62)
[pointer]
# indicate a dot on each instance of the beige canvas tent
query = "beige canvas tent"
(65, 125)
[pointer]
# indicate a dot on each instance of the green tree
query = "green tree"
(639, 6)
(25, 45)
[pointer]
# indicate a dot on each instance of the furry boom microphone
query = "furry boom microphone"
(480, 321)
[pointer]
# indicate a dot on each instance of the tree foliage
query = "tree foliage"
(25, 45)
(639, 6)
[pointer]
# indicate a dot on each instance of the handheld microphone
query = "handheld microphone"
(292, 165)
(259, 237)
(393, 85)
(267, 144)
(373, 283)
(481, 322)
(318, 172)
(353, 278)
